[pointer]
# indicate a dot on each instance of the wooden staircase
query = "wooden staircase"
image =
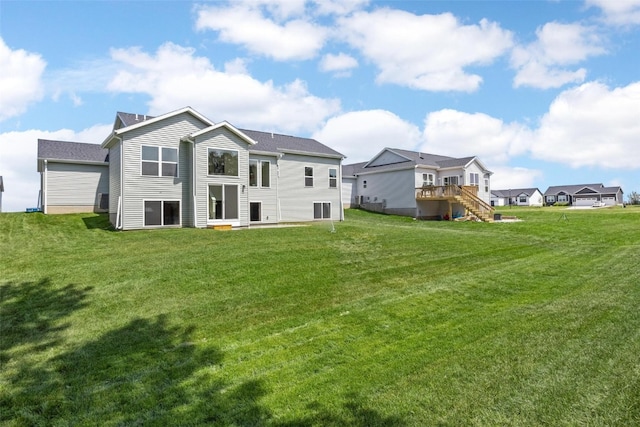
(475, 205)
(466, 195)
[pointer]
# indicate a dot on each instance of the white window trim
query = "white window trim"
(321, 210)
(258, 175)
(334, 178)
(262, 162)
(431, 179)
(308, 176)
(210, 149)
(235, 222)
(162, 201)
(160, 161)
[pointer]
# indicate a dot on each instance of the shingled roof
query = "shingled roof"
(73, 151)
(129, 119)
(513, 192)
(413, 158)
(277, 143)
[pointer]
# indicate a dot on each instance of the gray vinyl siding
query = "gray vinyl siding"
(475, 168)
(185, 155)
(387, 158)
(349, 191)
(223, 139)
(396, 188)
(139, 188)
(295, 199)
(75, 184)
(114, 181)
(267, 197)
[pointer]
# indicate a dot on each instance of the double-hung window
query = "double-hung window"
(427, 179)
(333, 178)
(308, 176)
(474, 179)
(223, 162)
(159, 161)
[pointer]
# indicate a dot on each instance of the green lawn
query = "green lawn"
(386, 321)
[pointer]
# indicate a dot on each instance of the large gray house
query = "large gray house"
(420, 185)
(584, 195)
(182, 169)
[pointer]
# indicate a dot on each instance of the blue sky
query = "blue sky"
(543, 92)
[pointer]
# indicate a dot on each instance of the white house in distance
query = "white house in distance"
(517, 197)
(182, 169)
(420, 185)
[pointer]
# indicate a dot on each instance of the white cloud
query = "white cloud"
(426, 52)
(505, 177)
(458, 134)
(246, 24)
(341, 63)
(18, 162)
(540, 63)
(619, 12)
(359, 135)
(174, 77)
(20, 80)
(339, 7)
(592, 125)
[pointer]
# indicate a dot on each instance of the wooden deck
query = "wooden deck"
(466, 195)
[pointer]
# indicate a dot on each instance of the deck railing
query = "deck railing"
(465, 194)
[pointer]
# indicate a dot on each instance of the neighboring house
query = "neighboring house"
(584, 195)
(418, 184)
(517, 197)
(74, 177)
(1, 191)
(182, 169)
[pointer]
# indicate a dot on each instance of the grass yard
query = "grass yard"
(386, 322)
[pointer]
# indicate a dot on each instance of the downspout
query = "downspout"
(279, 207)
(340, 181)
(120, 208)
(44, 190)
(194, 186)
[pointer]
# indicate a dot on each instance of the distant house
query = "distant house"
(418, 184)
(517, 197)
(181, 169)
(1, 191)
(584, 195)
(74, 177)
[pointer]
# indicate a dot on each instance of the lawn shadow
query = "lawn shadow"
(146, 372)
(30, 313)
(354, 414)
(100, 221)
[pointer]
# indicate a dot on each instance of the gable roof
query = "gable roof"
(277, 143)
(129, 119)
(228, 126)
(123, 118)
(514, 192)
(413, 159)
(72, 152)
(571, 189)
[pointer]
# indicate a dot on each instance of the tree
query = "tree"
(633, 198)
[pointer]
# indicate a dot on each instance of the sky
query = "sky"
(542, 92)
